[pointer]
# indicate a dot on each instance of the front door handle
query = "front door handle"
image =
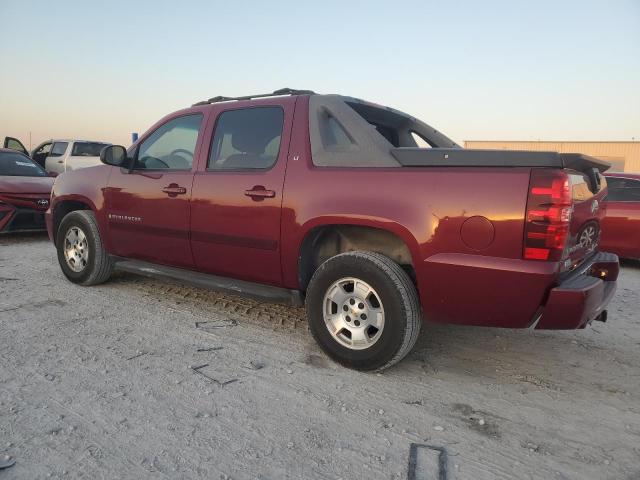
(259, 193)
(174, 189)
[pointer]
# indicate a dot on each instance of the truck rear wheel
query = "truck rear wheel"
(81, 254)
(363, 310)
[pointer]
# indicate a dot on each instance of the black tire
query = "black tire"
(403, 316)
(99, 264)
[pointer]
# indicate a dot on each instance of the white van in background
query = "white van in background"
(62, 155)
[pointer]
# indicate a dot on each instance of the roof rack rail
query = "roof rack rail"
(282, 91)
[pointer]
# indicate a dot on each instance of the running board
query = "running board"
(239, 287)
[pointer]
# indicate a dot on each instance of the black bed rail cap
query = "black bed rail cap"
(464, 157)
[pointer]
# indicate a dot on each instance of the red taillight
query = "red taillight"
(549, 209)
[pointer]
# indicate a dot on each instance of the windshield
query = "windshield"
(18, 165)
(87, 149)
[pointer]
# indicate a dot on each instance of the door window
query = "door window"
(58, 149)
(15, 144)
(172, 146)
(247, 139)
(623, 189)
(43, 149)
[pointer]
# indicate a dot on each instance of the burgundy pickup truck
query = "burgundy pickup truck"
(370, 217)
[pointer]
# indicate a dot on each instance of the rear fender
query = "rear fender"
(383, 224)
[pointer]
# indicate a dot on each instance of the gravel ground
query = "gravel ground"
(142, 379)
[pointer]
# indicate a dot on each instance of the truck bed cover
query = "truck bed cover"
(461, 157)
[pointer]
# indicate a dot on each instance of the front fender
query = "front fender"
(79, 189)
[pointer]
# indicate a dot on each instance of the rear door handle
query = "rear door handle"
(174, 189)
(259, 193)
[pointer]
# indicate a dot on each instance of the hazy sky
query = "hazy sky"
(475, 69)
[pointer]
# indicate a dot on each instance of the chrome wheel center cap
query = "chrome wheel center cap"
(353, 313)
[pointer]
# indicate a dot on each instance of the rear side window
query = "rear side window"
(58, 149)
(623, 189)
(171, 146)
(246, 139)
(87, 149)
(334, 134)
(15, 164)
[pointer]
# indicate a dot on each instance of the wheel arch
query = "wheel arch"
(326, 238)
(64, 206)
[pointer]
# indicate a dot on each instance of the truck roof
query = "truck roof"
(295, 92)
(373, 112)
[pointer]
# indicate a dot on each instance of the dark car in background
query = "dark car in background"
(621, 226)
(25, 188)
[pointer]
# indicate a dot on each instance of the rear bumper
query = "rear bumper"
(582, 296)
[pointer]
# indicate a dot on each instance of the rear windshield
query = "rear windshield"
(87, 149)
(18, 165)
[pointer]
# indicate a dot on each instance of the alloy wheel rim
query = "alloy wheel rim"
(76, 249)
(587, 236)
(353, 313)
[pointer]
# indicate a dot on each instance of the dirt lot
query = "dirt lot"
(142, 379)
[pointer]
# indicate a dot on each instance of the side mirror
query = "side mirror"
(115, 155)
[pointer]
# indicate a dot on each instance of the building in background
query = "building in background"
(623, 156)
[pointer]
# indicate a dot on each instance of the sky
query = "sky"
(476, 70)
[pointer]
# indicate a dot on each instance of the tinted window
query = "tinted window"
(247, 139)
(43, 149)
(172, 146)
(14, 164)
(14, 144)
(623, 190)
(58, 149)
(87, 149)
(334, 134)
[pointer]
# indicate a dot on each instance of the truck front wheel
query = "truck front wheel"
(363, 310)
(81, 254)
